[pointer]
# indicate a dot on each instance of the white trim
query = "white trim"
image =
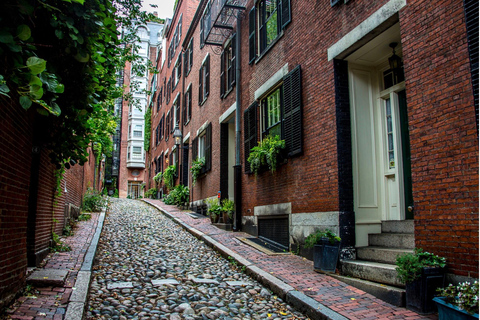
(276, 78)
(202, 128)
(364, 28)
(187, 136)
(273, 209)
(227, 113)
(166, 152)
(205, 59)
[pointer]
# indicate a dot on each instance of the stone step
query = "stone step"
(48, 277)
(392, 240)
(381, 273)
(389, 294)
(381, 254)
(398, 226)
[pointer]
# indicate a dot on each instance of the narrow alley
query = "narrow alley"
(149, 267)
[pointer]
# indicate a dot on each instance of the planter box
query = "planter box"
(447, 311)
(325, 256)
(419, 293)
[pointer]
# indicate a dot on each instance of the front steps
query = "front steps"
(374, 270)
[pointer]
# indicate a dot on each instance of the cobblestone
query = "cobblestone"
(140, 245)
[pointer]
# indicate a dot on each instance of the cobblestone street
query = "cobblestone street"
(148, 267)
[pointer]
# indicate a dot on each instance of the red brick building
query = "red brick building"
(377, 103)
(29, 209)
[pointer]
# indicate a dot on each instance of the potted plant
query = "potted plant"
(266, 154)
(458, 302)
(214, 209)
(326, 248)
(228, 208)
(422, 272)
(196, 168)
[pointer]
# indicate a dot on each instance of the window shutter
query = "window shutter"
(200, 86)
(189, 103)
(171, 119)
(184, 110)
(208, 148)
(185, 63)
(195, 149)
(202, 40)
(250, 132)
(179, 67)
(286, 13)
(234, 46)
(292, 111)
(207, 76)
(222, 74)
(251, 37)
(190, 58)
(177, 111)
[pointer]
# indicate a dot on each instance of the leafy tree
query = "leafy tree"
(61, 59)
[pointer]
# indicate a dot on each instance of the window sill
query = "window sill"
(267, 49)
(224, 96)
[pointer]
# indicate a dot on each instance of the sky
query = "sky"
(164, 9)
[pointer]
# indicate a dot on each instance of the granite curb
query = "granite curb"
(78, 299)
(296, 299)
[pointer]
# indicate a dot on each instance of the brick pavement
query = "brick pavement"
(297, 272)
(51, 302)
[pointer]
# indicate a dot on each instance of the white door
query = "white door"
(378, 188)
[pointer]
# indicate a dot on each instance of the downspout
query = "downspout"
(237, 222)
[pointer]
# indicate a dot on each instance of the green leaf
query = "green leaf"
(36, 65)
(82, 57)
(5, 36)
(60, 88)
(4, 90)
(56, 109)
(36, 91)
(79, 1)
(25, 102)
(35, 81)
(14, 47)
(59, 34)
(24, 32)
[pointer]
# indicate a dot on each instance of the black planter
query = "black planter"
(419, 293)
(325, 256)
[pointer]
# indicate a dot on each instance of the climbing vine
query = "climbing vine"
(148, 129)
(60, 59)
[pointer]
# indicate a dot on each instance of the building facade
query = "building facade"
(131, 175)
(377, 103)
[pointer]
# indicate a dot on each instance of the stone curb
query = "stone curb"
(314, 309)
(78, 299)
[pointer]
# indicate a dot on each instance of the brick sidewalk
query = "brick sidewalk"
(297, 272)
(51, 302)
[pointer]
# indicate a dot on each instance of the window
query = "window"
(171, 125)
(177, 71)
(176, 111)
(204, 80)
(137, 134)
(188, 58)
(202, 147)
(160, 130)
(227, 68)
(280, 114)
(171, 53)
(187, 105)
(267, 19)
(159, 99)
(205, 24)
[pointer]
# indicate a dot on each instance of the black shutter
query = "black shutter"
(190, 58)
(292, 111)
(222, 74)
(286, 13)
(207, 76)
(200, 85)
(189, 103)
(177, 111)
(208, 148)
(250, 132)
(232, 76)
(251, 38)
(184, 110)
(171, 119)
(224, 160)
(202, 39)
(179, 67)
(185, 63)
(195, 149)
(185, 166)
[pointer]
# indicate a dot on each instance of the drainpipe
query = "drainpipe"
(237, 222)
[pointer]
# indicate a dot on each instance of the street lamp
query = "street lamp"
(177, 135)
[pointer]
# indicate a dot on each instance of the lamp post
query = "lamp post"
(177, 136)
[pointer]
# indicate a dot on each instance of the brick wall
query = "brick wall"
(443, 135)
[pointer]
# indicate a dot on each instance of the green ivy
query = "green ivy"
(148, 129)
(60, 59)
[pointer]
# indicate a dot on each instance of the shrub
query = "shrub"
(410, 265)
(196, 169)
(315, 237)
(93, 201)
(266, 154)
(169, 176)
(178, 196)
(151, 193)
(58, 245)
